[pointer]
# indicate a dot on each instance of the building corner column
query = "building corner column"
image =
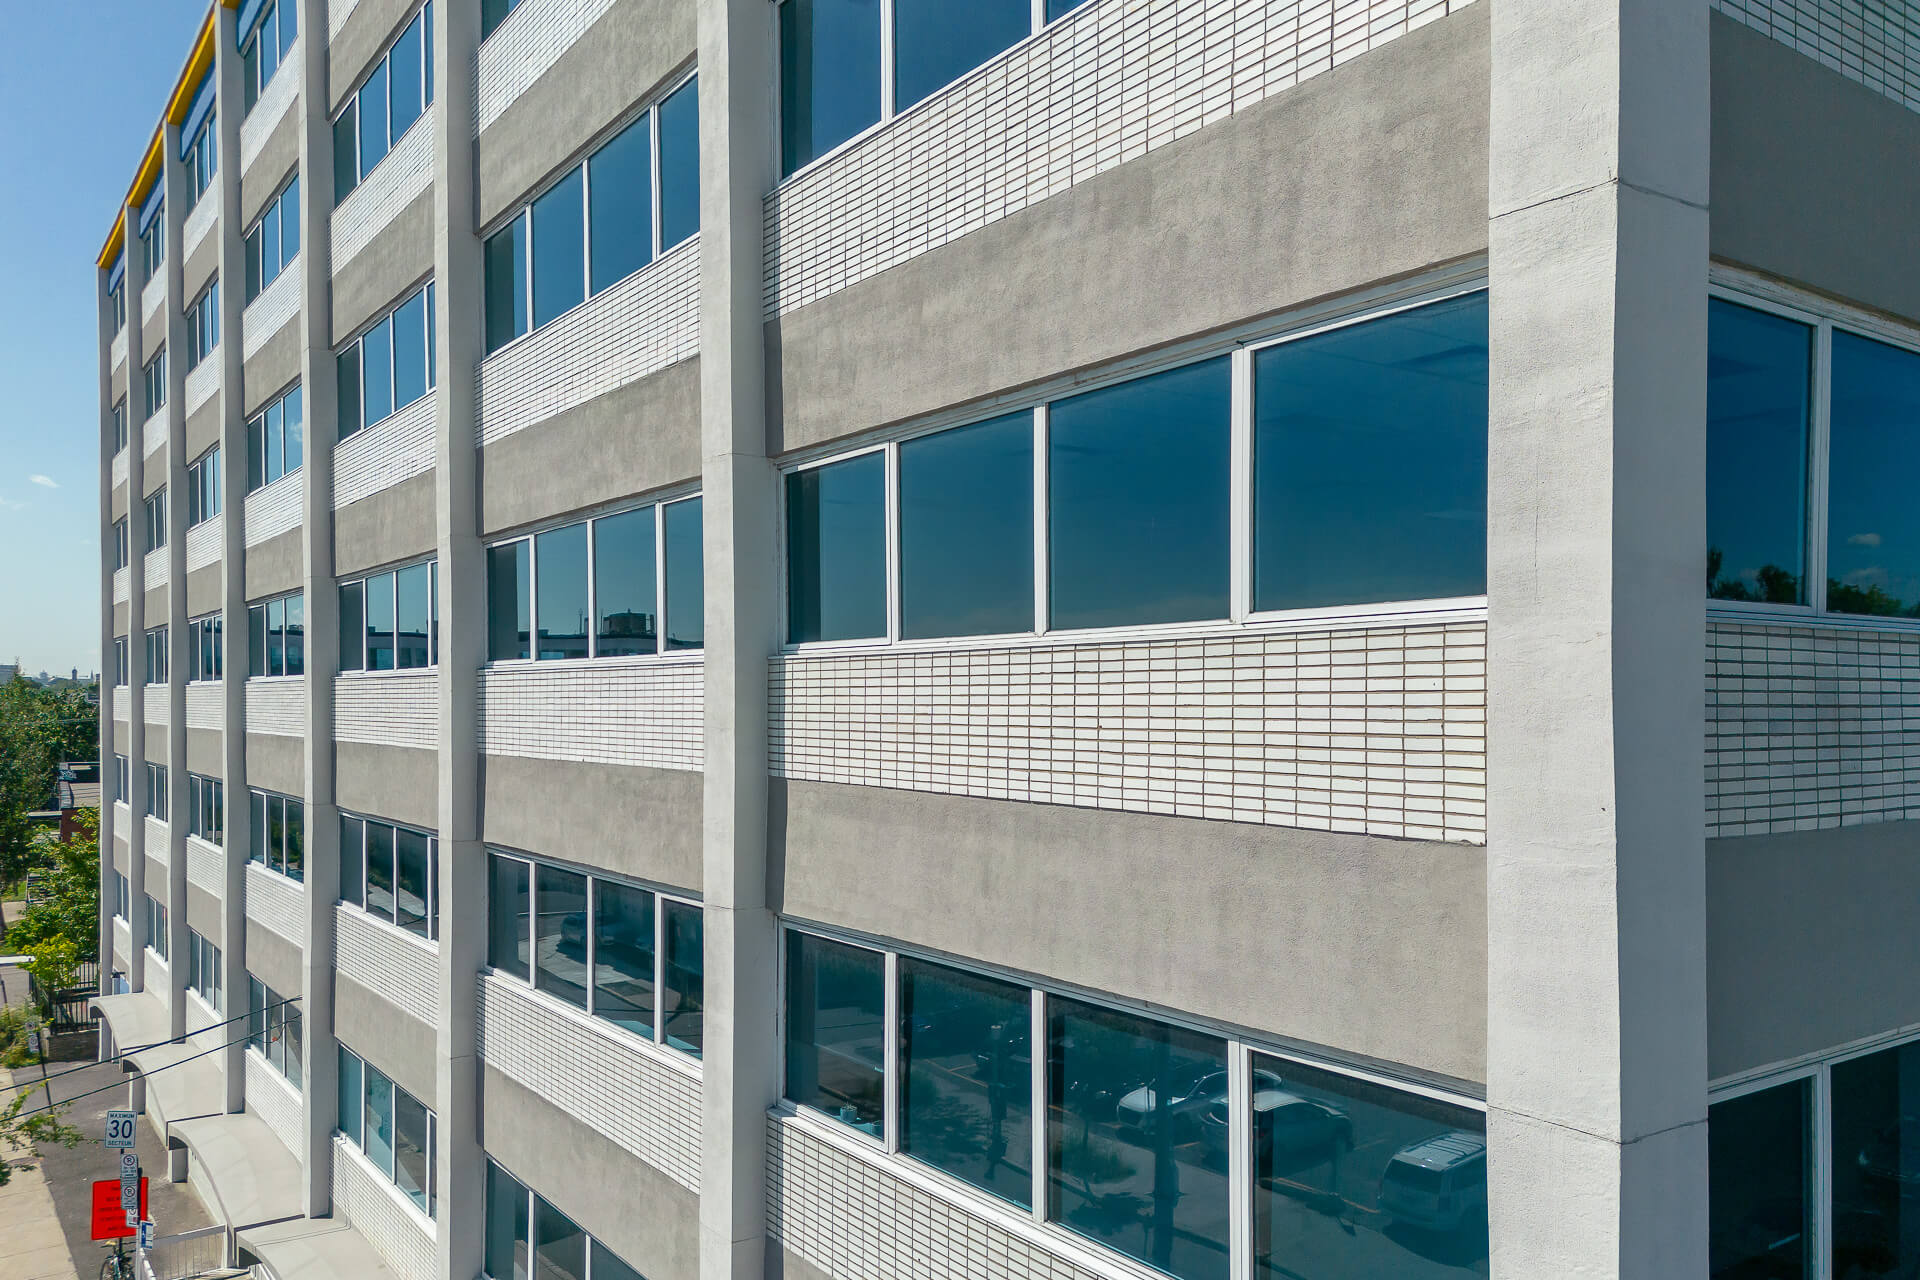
(138, 889)
(173, 174)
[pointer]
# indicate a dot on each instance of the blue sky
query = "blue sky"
(84, 88)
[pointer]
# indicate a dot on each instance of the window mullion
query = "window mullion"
(1039, 16)
(653, 179)
(892, 505)
(1239, 1159)
(1037, 1055)
(1822, 1139)
(533, 599)
(890, 1053)
(888, 69)
(1042, 589)
(1240, 498)
(659, 577)
(659, 969)
(592, 893)
(593, 603)
(1819, 466)
(586, 230)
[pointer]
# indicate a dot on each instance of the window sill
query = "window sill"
(278, 875)
(521, 339)
(429, 946)
(675, 1060)
(673, 657)
(1800, 615)
(387, 673)
(342, 1143)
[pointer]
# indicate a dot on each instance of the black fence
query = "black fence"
(68, 1008)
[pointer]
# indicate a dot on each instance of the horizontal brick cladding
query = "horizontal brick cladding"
(274, 1100)
(202, 381)
(273, 103)
(152, 294)
(277, 903)
(205, 542)
(855, 1219)
(117, 356)
(523, 48)
(595, 1074)
(383, 455)
(120, 462)
(338, 11)
(277, 705)
(273, 509)
(200, 220)
(158, 706)
(388, 709)
(122, 940)
(153, 568)
(157, 842)
(120, 586)
(1868, 41)
(153, 433)
(268, 313)
(121, 701)
(388, 962)
(206, 705)
(372, 1204)
(206, 866)
(1108, 84)
(630, 711)
(1810, 727)
(642, 324)
(404, 173)
(1379, 730)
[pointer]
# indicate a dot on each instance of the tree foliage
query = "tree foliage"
(62, 929)
(38, 729)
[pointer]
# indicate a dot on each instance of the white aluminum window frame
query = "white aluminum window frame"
(156, 655)
(260, 419)
(252, 40)
(203, 491)
(203, 325)
(393, 1153)
(157, 925)
(669, 498)
(204, 632)
(203, 792)
(432, 937)
(202, 161)
(120, 544)
(419, 289)
(1357, 310)
(155, 506)
(427, 89)
(594, 1244)
(266, 650)
(433, 617)
(259, 856)
(253, 242)
(120, 425)
(154, 381)
(204, 969)
(153, 242)
(117, 301)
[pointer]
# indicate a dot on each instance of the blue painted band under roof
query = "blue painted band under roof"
(118, 272)
(249, 17)
(151, 209)
(197, 113)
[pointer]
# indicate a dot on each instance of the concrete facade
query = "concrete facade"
(1525, 883)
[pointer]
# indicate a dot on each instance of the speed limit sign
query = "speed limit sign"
(120, 1130)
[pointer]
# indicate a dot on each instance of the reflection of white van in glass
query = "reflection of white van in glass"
(1439, 1183)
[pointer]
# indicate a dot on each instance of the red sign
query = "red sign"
(109, 1219)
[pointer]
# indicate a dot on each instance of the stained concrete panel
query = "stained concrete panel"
(637, 822)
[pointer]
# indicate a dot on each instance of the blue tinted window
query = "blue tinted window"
(351, 1087)
(966, 530)
(686, 576)
(410, 380)
(623, 956)
(560, 1246)
(380, 617)
(376, 366)
(1759, 370)
(348, 381)
(346, 155)
(680, 164)
(1138, 480)
(275, 432)
(560, 559)
(936, 42)
(1370, 461)
(1061, 8)
(837, 551)
(507, 1238)
(372, 100)
(1760, 1183)
(966, 1083)
(685, 994)
(559, 249)
(1873, 522)
(829, 75)
(289, 206)
(412, 613)
(296, 428)
(836, 1030)
(1875, 1163)
(379, 1123)
(506, 267)
(492, 14)
(508, 601)
(560, 934)
(620, 175)
(624, 599)
(1125, 1100)
(404, 79)
(270, 261)
(508, 905)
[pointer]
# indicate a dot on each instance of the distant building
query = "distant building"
(77, 787)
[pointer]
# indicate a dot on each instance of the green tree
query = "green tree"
(65, 923)
(38, 729)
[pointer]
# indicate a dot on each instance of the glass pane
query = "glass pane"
(411, 886)
(1873, 524)
(686, 575)
(562, 1247)
(935, 42)
(270, 243)
(379, 1143)
(507, 1241)
(277, 833)
(1370, 461)
(257, 827)
(296, 422)
(966, 1083)
(836, 1030)
(410, 350)
(380, 870)
(507, 908)
(407, 90)
(290, 220)
(560, 555)
(275, 421)
(1138, 481)
(296, 847)
(686, 976)
(372, 101)
(353, 623)
(492, 14)
(294, 1041)
(380, 623)
(353, 861)
(1876, 1158)
(351, 1087)
(680, 164)
(253, 268)
(623, 956)
(608, 1267)
(560, 934)
(412, 587)
(623, 594)
(559, 250)
(1060, 8)
(347, 368)
(837, 550)
(506, 266)
(620, 175)
(1759, 370)
(829, 75)
(376, 361)
(410, 1147)
(1760, 1186)
(296, 634)
(507, 601)
(346, 165)
(1125, 1100)
(966, 530)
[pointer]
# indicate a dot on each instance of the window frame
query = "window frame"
(432, 937)
(251, 92)
(122, 662)
(250, 245)
(265, 654)
(390, 1172)
(120, 544)
(154, 509)
(278, 401)
(261, 857)
(154, 382)
(202, 160)
(203, 325)
(432, 562)
(423, 287)
(204, 499)
(156, 644)
(1344, 313)
(533, 1199)
(205, 970)
(351, 101)
(206, 795)
(206, 635)
(158, 925)
(119, 412)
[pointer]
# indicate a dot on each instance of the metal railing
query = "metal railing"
(68, 1008)
(187, 1255)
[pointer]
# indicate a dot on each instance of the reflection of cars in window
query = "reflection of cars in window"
(1283, 1124)
(1438, 1183)
(1893, 1155)
(1188, 1094)
(573, 931)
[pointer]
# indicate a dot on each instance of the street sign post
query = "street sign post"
(109, 1220)
(145, 1239)
(120, 1130)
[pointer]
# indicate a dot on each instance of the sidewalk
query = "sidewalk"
(32, 1244)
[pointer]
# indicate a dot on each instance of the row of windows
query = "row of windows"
(117, 303)
(157, 655)
(122, 780)
(392, 873)
(156, 790)
(156, 939)
(276, 440)
(207, 808)
(1368, 480)
(203, 326)
(839, 74)
(526, 1236)
(277, 636)
(394, 1129)
(122, 890)
(154, 382)
(203, 487)
(204, 970)
(273, 241)
(635, 197)
(391, 620)
(595, 589)
(153, 242)
(275, 1029)
(201, 157)
(120, 662)
(265, 46)
(626, 954)
(389, 366)
(206, 648)
(119, 424)
(120, 543)
(154, 509)
(395, 93)
(279, 829)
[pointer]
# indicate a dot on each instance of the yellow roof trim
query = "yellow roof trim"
(111, 252)
(197, 63)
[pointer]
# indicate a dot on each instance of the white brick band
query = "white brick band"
(153, 568)
(371, 1203)
(384, 454)
(272, 104)
(206, 705)
(523, 48)
(200, 219)
(202, 381)
(269, 313)
(206, 866)
(119, 468)
(394, 965)
(387, 709)
(1868, 41)
(159, 708)
(277, 705)
(153, 433)
(117, 349)
(120, 587)
(601, 711)
(275, 508)
(152, 294)
(402, 174)
(275, 1101)
(205, 542)
(158, 847)
(274, 902)
(595, 1074)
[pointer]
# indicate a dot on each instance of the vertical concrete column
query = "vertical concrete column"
(462, 883)
(233, 561)
(137, 887)
(736, 60)
(109, 694)
(1596, 523)
(175, 176)
(319, 394)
